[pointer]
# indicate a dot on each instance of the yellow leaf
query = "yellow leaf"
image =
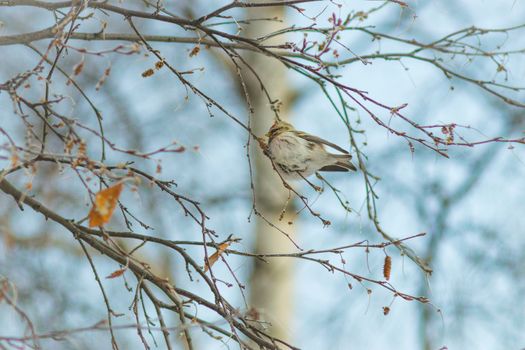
(104, 205)
(215, 256)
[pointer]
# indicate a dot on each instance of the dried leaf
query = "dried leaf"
(77, 69)
(215, 256)
(195, 51)
(386, 310)
(148, 73)
(117, 273)
(14, 159)
(104, 205)
(103, 78)
(387, 267)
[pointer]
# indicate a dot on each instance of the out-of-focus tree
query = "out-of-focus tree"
(93, 94)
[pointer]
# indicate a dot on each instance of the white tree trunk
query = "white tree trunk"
(271, 292)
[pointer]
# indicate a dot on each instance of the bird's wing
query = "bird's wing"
(313, 138)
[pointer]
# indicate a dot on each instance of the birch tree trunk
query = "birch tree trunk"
(271, 284)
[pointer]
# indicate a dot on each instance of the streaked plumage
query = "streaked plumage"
(297, 154)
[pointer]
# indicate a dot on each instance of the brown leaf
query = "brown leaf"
(148, 73)
(195, 51)
(104, 205)
(387, 267)
(117, 273)
(215, 256)
(77, 69)
(14, 159)
(103, 78)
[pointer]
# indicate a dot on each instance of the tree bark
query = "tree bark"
(271, 283)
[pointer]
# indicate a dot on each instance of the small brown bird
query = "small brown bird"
(297, 154)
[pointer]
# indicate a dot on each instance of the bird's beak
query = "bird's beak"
(267, 134)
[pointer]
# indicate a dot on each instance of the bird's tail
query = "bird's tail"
(342, 163)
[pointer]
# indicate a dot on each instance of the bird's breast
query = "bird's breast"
(295, 154)
(288, 147)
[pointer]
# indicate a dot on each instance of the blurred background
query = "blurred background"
(469, 205)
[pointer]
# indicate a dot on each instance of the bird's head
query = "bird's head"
(279, 127)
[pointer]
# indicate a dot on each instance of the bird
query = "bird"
(297, 154)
